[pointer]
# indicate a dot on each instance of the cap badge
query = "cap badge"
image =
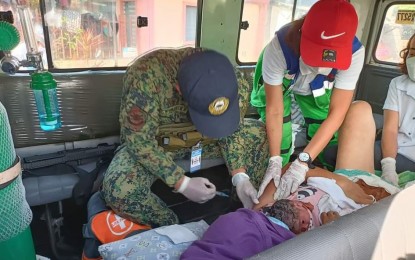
(329, 55)
(218, 106)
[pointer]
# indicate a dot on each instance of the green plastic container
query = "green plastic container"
(44, 90)
(19, 247)
(16, 242)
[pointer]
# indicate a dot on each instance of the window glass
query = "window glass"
(20, 50)
(265, 17)
(106, 33)
(191, 15)
(398, 27)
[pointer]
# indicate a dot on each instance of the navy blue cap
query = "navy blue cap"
(208, 84)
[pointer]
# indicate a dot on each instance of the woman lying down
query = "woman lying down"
(323, 198)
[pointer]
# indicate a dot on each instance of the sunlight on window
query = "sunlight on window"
(397, 28)
(105, 33)
(265, 18)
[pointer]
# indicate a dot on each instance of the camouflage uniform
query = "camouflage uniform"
(149, 101)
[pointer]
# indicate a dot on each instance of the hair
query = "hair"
(293, 36)
(283, 210)
(404, 54)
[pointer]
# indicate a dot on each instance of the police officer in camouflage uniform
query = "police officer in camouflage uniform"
(174, 100)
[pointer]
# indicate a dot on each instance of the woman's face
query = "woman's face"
(410, 60)
(411, 51)
(304, 216)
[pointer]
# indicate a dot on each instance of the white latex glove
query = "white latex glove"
(273, 173)
(389, 170)
(245, 190)
(197, 189)
(291, 180)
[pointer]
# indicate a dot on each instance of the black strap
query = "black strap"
(286, 119)
(284, 151)
(309, 121)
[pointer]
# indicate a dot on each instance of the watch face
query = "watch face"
(304, 157)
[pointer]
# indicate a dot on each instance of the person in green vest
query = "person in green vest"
(317, 59)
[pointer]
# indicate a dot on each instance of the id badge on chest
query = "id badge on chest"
(196, 157)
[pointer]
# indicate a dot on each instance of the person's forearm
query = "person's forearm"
(143, 148)
(267, 198)
(274, 131)
(274, 117)
(320, 172)
(236, 171)
(350, 189)
(390, 133)
(339, 105)
(156, 161)
(389, 144)
(323, 136)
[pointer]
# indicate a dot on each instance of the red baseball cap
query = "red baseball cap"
(327, 34)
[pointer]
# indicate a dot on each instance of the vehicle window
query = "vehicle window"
(110, 33)
(265, 17)
(20, 50)
(398, 27)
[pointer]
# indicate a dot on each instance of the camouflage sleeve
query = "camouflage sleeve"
(244, 92)
(233, 150)
(139, 117)
(232, 147)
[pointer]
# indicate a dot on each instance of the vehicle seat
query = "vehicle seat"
(47, 189)
(384, 230)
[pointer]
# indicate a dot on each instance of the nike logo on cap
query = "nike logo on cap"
(324, 37)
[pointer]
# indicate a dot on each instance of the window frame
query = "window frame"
(379, 33)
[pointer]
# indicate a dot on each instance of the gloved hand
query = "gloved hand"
(389, 170)
(197, 189)
(291, 180)
(245, 190)
(273, 173)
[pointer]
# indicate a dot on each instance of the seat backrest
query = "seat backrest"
(384, 230)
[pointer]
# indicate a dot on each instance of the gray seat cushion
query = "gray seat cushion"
(47, 189)
(384, 230)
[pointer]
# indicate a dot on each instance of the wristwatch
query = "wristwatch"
(306, 158)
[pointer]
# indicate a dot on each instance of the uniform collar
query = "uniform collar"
(408, 86)
(304, 69)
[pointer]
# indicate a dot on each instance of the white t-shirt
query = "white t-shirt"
(274, 67)
(401, 98)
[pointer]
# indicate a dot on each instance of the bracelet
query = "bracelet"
(239, 177)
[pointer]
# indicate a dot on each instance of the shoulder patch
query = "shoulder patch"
(135, 118)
